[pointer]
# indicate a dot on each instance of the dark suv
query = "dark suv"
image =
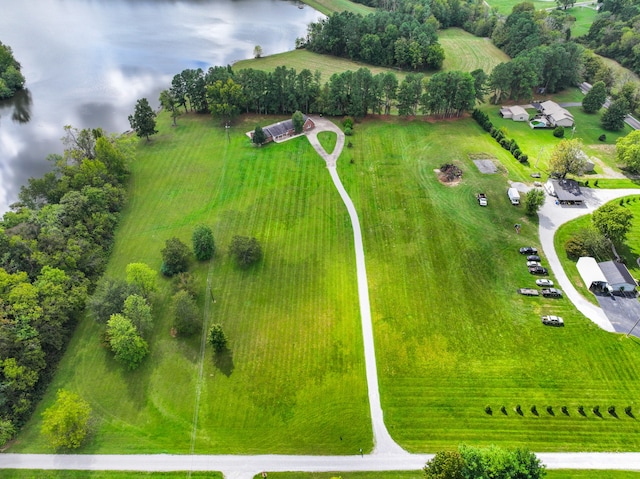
(538, 270)
(528, 250)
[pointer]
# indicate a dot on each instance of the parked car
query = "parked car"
(544, 282)
(533, 263)
(535, 175)
(528, 291)
(528, 250)
(552, 320)
(551, 293)
(538, 270)
(533, 257)
(482, 199)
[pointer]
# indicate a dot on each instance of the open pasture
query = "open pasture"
(467, 52)
(293, 380)
(452, 335)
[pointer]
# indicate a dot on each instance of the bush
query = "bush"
(348, 131)
(245, 250)
(574, 247)
(602, 137)
(550, 410)
(347, 122)
(523, 158)
(565, 411)
(596, 410)
(203, 244)
(611, 410)
(185, 282)
(628, 411)
(175, 257)
(503, 410)
(488, 410)
(581, 410)
(558, 132)
(519, 409)
(217, 338)
(534, 410)
(516, 154)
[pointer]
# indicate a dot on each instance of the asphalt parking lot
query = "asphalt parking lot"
(623, 312)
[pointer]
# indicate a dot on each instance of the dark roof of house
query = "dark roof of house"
(536, 105)
(280, 128)
(616, 273)
(567, 190)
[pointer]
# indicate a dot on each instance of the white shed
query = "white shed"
(516, 113)
(618, 276)
(590, 272)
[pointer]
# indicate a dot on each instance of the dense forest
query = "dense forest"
(11, 80)
(54, 245)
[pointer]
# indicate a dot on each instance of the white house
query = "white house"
(556, 115)
(516, 113)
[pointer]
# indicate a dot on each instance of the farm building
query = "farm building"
(618, 276)
(554, 114)
(591, 274)
(516, 113)
(567, 191)
(284, 129)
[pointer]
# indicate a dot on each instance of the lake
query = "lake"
(87, 62)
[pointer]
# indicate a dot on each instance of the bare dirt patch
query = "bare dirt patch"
(486, 166)
(449, 174)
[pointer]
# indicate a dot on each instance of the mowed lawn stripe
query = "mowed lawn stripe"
(293, 380)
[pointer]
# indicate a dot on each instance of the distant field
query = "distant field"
(301, 59)
(463, 51)
(551, 474)
(330, 6)
(40, 474)
(452, 335)
(584, 18)
(294, 380)
(505, 6)
(467, 52)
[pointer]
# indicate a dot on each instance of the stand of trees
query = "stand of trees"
(54, 244)
(11, 80)
(394, 39)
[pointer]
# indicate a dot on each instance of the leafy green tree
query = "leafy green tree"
(217, 338)
(175, 257)
(533, 200)
(613, 221)
(225, 99)
(66, 423)
(7, 431)
(11, 80)
(126, 343)
(595, 98)
(613, 118)
(137, 310)
(298, 122)
(257, 51)
(480, 79)
(245, 250)
(143, 120)
(567, 157)
(628, 150)
(203, 244)
(259, 136)
(108, 298)
(497, 462)
(409, 95)
(445, 465)
(170, 103)
(142, 279)
(185, 313)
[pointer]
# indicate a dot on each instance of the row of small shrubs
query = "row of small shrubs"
(508, 144)
(565, 410)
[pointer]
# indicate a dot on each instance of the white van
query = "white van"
(514, 196)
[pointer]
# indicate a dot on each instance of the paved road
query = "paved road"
(629, 120)
(551, 217)
(245, 467)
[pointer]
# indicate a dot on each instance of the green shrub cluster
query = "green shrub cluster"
(508, 144)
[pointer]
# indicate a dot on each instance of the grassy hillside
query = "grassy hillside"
(330, 6)
(294, 381)
(452, 335)
(463, 51)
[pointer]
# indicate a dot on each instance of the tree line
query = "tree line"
(11, 79)
(54, 244)
(392, 39)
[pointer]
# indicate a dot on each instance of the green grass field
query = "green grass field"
(584, 18)
(294, 381)
(328, 140)
(551, 474)
(40, 474)
(452, 335)
(463, 51)
(330, 6)
(467, 52)
(505, 6)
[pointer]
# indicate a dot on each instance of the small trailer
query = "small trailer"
(528, 291)
(482, 199)
(514, 196)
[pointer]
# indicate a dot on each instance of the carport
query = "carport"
(591, 274)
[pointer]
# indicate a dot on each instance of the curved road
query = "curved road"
(387, 455)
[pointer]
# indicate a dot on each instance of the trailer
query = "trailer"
(514, 196)
(528, 291)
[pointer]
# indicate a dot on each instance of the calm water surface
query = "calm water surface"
(87, 62)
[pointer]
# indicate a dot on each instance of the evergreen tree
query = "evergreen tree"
(259, 136)
(613, 118)
(595, 98)
(203, 243)
(143, 120)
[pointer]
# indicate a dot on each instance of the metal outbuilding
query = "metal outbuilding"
(591, 274)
